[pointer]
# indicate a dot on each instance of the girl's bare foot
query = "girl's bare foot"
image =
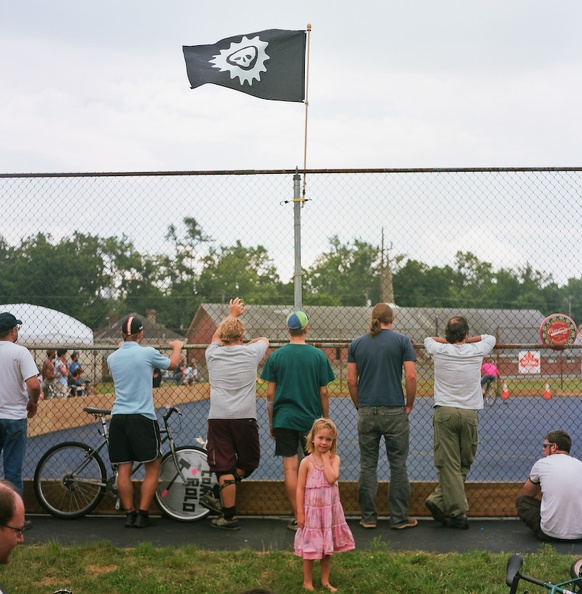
(308, 587)
(329, 587)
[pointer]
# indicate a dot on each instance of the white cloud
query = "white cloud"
(405, 86)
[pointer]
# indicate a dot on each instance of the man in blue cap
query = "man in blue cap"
(297, 376)
(19, 394)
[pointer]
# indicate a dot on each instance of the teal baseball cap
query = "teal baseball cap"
(297, 320)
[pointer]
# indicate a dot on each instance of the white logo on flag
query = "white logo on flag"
(245, 59)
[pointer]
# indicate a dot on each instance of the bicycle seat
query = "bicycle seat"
(97, 411)
(514, 564)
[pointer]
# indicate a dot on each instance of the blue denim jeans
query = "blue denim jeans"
(13, 447)
(392, 424)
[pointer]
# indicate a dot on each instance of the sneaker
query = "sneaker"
(292, 525)
(143, 521)
(211, 503)
(410, 523)
(436, 512)
(367, 525)
(460, 523)
(130, 519)
(225, 524)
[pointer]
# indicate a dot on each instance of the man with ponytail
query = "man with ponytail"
(376, 361)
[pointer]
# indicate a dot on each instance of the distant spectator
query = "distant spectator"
(75, 364)
(61, 374)
(191, 374)
(75, 384)
(157, 377)
(490, 375)
(47, 373)
(180, 371)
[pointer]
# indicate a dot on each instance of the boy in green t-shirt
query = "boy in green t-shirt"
(297, 376)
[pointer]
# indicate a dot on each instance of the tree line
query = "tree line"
(91, 277)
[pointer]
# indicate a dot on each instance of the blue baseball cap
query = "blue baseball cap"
(297, 320)
(8, 321)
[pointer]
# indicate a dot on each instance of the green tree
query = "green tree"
(68, 276)
(84, 276)
(178, 272)
(347, 274)
(247, 272)
(418, 285)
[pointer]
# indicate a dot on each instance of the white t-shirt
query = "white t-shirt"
(560, 477)
(457, 371)
(16, 366)
(232, 372)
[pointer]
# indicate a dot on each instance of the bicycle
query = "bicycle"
(490, 394)
(70, 479)
(513, 577)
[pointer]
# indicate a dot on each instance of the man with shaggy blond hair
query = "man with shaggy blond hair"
(233, 435)
(231, 331)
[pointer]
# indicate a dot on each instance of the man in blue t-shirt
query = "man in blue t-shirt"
(375, 363)
(134, 434)
(297, 376)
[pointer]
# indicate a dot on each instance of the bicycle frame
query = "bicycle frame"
(514, 576)
(166, 432)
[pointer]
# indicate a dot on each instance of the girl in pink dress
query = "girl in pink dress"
(322, 525)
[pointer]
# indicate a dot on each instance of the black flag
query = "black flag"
(268, 64)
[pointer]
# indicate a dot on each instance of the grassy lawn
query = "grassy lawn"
(101, 567)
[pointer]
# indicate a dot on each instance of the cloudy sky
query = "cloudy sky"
(102, 86)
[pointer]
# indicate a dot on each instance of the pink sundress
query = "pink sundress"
(325, 531)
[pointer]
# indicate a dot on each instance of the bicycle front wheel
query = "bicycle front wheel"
(69, 480)
(177, 497)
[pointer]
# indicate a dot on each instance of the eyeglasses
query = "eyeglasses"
(547, 445)
(19, 531)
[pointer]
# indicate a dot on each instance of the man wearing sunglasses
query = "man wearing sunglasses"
(551, 505)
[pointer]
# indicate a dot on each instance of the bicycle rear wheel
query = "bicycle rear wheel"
(69, 480)
(178, 499)
(491, 395)
(576, 569)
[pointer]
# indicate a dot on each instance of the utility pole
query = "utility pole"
(386, 288)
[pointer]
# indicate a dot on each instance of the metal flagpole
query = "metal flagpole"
(297, 203)
(298, 196)
(306, 108)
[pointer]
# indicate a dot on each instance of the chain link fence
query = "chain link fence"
(82, 251)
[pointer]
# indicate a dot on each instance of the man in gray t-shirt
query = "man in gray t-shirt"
(233, 435)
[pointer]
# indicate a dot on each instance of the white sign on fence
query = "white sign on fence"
(530, 362)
